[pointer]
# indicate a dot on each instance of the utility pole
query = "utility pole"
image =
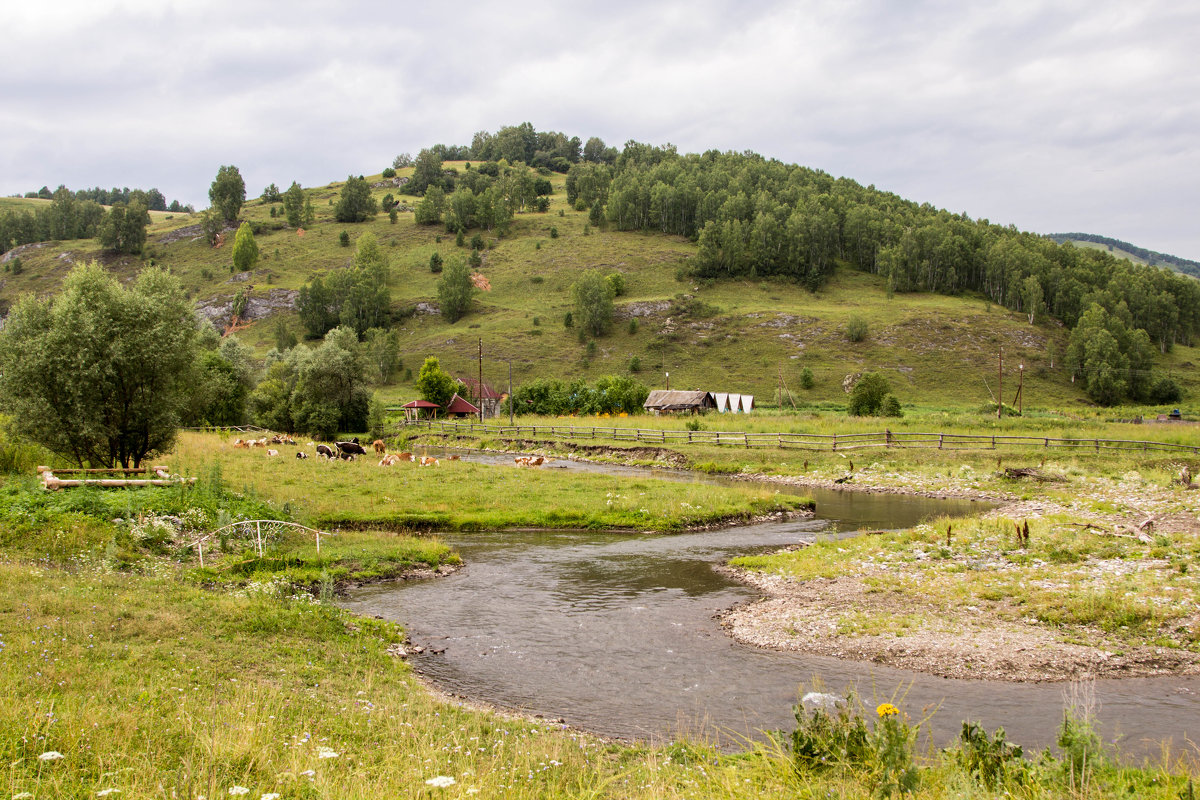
(668, 381)
(1000, 388)
(510, 400)
(479, 386)
(1020, 386)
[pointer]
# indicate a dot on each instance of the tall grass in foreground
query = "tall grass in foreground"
(154, 688)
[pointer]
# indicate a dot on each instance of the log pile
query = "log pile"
(53, 483)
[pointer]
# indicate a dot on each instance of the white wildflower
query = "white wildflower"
(239, 790)
(107, 792)
(325, 752)
(51, 755)
(441, 781)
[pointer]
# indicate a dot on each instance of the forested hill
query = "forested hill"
(1151, 257)
(730, 219)
(755, 216)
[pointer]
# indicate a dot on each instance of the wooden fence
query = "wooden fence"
(800, 441)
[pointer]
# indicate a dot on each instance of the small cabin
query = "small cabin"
(459, 407)
(667, 401)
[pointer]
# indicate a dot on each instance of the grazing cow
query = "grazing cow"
(240, 443)
(325, 451)
(351, 447)
(272, 452)
(346, 456)
(259, 442)
(301, 454)
(380, 447)
(428, 461)
(406, 457)
(455, 458)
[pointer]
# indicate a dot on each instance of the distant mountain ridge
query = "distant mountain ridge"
(1151, 257)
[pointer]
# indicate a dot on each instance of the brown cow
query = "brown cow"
(406, 457)
(380, 447)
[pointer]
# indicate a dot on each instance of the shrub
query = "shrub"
(475, 260)
(17, 266)
(617, 281)
(806, 378)
(1165, 390)
(635, 364)
(388, 172)
(633, 326)
(856, 329)
(393, 216)
(866, 399)
(553, 233)
(477, 242)
(460, 239)
(435, 263)
(568, 320)
(344, 238)
(891, 407)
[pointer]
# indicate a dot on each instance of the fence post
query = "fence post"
(258, 535)
(835, 441)
(318, 535)
(941, 436)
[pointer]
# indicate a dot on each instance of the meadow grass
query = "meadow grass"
(977, 470)
(152, 687)
(153, 678)
(458, 495)
(1115, 591)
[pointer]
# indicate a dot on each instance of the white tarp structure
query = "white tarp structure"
(741, 403)
(722, 401)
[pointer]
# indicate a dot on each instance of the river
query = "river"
(615, 633)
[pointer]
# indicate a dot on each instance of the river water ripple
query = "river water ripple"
(614, 633)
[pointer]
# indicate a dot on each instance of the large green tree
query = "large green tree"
(227, 193)
(100, 373)
(355, 204)
(124, 227)
(435, 384)
(593, 296)
(293, 205)
(245, 249)
(455, 290)
(427, 171)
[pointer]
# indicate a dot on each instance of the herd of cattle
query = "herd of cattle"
(352, 449)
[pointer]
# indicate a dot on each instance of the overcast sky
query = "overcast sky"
(1052, 116)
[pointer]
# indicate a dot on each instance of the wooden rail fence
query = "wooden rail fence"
(837, 442)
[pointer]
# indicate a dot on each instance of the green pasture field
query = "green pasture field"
(128, 669)
(456, 495)
(977, 470)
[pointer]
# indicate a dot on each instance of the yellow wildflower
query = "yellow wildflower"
(886, 710)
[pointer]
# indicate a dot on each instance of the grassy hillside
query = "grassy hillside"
(739, 336)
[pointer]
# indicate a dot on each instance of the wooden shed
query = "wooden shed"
(668, 401)
(461, 408)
